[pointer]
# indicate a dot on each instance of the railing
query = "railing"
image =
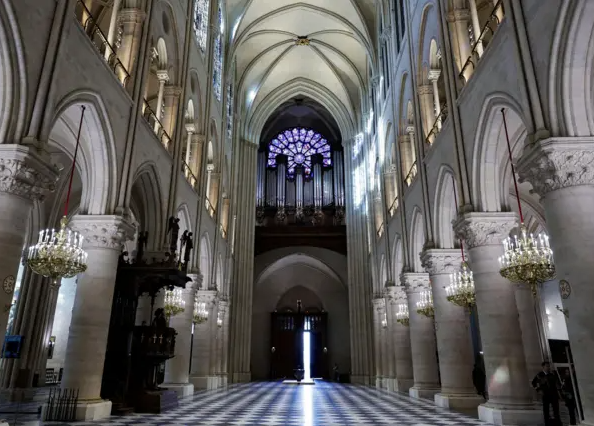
(437, 125)
(410, 177)
(189, 176)
(209, 208)
(489, 29)
(380, 231)
(99, 40)
(150, 116)
(393, 207)
(223, 231)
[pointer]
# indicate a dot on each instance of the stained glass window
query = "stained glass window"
(201, 23)
(217, 74)
(299, 145)
(230, 109)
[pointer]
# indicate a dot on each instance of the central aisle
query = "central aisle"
(265, 403)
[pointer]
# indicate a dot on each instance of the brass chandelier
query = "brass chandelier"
(60, 254)
(402, 316)
(527, 259)
(425, 305)
(461, 290)
(174, 303)
(200, 313)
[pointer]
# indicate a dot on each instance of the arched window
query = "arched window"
(218, 55)
(230, 100)
(299, 145)
(201, 23)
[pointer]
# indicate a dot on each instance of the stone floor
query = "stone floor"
(277, 404)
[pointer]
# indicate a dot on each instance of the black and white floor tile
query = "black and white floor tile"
(322, 404)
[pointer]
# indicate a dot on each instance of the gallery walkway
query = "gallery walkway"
(325, 403)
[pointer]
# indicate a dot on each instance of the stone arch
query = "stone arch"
(96, 160)
(162, 60)
(196, 96)
(389, 151)
(426, 38)
(397, 257)
(445, 210)
(309, 298)
(170, 41)
(205, 259)
(417, 240)
(13, 81)
(490, 158)
(146, 202)
(383, 275)
(571, 75)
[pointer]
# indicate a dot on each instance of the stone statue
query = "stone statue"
(183, 240)
(173, 228)
(141, 245)
(189, 246)
(123, 259)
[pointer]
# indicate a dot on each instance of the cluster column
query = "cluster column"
(177, 369)
(510, 399)
(378, 312)
(201, 352)
(400, 335)
(561, 172)
(422, 339)
(87, 341)
(452, 329)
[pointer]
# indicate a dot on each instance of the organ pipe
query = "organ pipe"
(338, 178)
(281, 178)
(299, 187)
(317, 178)
(260, 189)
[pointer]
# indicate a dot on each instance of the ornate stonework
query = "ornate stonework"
(441, 261)
(395, 295)
(23, 175)
(103, 232)
(415, 282)
(379, 304)
(556, 164)
(485, 229)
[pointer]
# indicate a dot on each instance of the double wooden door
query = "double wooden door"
(287, 340)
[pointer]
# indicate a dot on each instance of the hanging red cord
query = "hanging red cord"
(74, 161)
(512, 165)
(456, 201)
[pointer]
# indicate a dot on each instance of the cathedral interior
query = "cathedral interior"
(313, 212)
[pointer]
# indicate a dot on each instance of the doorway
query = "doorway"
(298, 340)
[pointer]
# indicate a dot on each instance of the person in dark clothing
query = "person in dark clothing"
(479, 378)
(159, 320)
(336, 373)
(548, 387)
(569, 397)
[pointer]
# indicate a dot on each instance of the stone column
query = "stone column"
(390, 186)
(89, 327)
(163, 78)
(190, 130)
(241, 286)
(213, 196)
(196, 165)
(403, 366)
(171, 95)
(510, 400)
(177, 369)
(203, 341)
(433, 78)
(459, 24)
(223, 344)
(452, 329)
(422, 339)
(561, 172)
(378, 306)
(425, 93)
(131, 21)
(24, 178)
(113, 27)
(476, 27)
(390, 346)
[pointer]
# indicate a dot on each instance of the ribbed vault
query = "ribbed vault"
(273, 65)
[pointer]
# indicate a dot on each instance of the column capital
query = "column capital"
(103, 231)
(558, 163)
(210, 168)
(131, 16)
(24, 173)
(379, 304)
(162, 76)
(484, 229)
(433, 75)
(208, 296)
(415, 282)
(191, 129)
(395, 295)
(441, 261)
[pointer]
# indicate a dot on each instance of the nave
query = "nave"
(273, 403)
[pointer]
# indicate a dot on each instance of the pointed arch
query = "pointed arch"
(444, 208)
(147, 204)
(97, 160)
(417, 240)
(205, 259)
(397, 262)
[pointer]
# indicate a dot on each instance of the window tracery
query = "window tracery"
(201, 23)
(299, 144)
(218, 55)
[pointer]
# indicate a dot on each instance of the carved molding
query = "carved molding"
(395, 295)
(441, 261)
(379, 304)
(102, 232)
(485, 229)
(22, 175)
(415, 282)
(558, 163)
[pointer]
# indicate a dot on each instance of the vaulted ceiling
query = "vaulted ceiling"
(273, 67)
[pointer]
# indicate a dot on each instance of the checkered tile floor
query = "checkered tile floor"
(277, 404)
